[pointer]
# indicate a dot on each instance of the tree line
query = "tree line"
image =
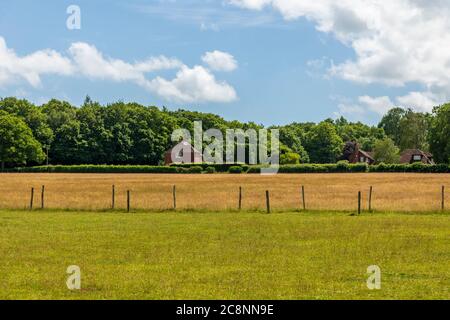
(58, 132)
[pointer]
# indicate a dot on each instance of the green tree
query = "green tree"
(386, 151)
(390, 123)
(440, 134)
(413, 129)
(365, 135)
(62, 119)
(93, 134)
(287, 156)
(323, 144)
(17, 143)
(33, 116)
(292, 136)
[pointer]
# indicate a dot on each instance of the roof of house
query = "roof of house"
(367, 154)
(184, 143)
(407, 155)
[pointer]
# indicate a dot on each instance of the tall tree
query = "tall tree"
(413, 129)
(33, 116)
(391, 123)
(385, 151)
(323, 144)
(62, 119)
(17, 143)
(440, 134)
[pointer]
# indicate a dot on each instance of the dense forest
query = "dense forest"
(129, 133)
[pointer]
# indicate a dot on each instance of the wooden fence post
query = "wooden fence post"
(42, 197)
(174, 193)
(443, 198)
(370, 198)
(240, 198)
(268, 201)
(359, 202)
(113, 200)
(303, 197)
(32, 199)
(128, 200)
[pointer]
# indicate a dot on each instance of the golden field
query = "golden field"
(391, 191)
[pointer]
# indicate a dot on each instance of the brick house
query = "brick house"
(183, 152)
(353, 154)
(416, 155)
(361, 156)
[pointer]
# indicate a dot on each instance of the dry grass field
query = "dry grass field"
(218, 192)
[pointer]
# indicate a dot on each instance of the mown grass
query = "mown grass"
(314, 255)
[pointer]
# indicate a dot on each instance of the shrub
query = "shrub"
(210, 170)
(222, 167)
(235, 169)
(195, 169)
(289, 158)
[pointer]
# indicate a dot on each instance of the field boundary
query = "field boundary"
(359, 206)
(206, 168)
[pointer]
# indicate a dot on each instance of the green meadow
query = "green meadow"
(201, 255)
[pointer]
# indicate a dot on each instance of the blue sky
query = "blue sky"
(271, 62)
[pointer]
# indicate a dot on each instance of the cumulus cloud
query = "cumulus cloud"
(220, 61)
(196, 84)
(91, 63)
(420, 101)
(364, 105)
(396, 43)
(379, 105)
(31, 67)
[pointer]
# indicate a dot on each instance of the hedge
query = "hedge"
(415, 167)
(316, 168)
(223, 167)
(359, 167)
(100, 169)
(235, 169)
(211, 168)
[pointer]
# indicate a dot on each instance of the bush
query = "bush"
(195, 169)
(222, 167)
(235, 169)
(289, 158)
(210, 170)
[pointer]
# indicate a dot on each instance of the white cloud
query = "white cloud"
(195, 84)
(251, 4)
(420, 101)
(191, 85)
(31, 67)
(396, 43)
(350, 109)
(92, 64)
(220, 61)
(365, 106)
(379, 105)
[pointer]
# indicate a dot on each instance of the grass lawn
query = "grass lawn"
(223, 255)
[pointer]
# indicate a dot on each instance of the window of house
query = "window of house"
(417, 157)
(362, 159)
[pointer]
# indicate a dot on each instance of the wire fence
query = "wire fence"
(342, 192)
